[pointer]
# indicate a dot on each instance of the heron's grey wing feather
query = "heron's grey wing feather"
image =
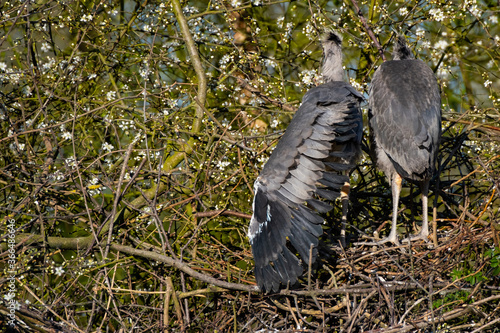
(406, 116)
(286, 204)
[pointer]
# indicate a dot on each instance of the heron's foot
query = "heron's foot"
(392, 238)
(424, 235)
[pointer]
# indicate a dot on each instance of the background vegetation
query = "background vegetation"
(132, 132)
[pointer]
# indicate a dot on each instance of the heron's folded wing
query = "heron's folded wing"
(406, 114)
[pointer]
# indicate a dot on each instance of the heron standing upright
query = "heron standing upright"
(405, 122)
(322, 140)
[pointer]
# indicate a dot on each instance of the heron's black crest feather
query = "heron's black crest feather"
(331, 36)
(332, 57)
(401, 50)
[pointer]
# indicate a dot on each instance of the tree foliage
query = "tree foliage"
(132, 133)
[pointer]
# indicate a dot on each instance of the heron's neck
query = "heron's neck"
(332, 67)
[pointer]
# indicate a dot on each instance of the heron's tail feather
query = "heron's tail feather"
(274, 262)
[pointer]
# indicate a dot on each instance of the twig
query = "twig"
(368, 29)
(309, 268)
(484, 209)
(223, 212)
(182, 266)
(479, 329)
(196, 61)
(360, 307)
(20, 283)
(245, 85)
(118, 195)
(177, 305)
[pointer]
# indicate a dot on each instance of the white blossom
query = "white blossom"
(27, 91)
(45, 47)
(475, 11)
(107, 146)
(437, 14)
(274, 123)
(111, 95)
(308, 76)
(71, 162)
(420, 32)
(222, 165)
(441, 45)
(86, 18)
(226, 59)
(93, 181)
(288, 30)
(59, 271)
(279, 22)
(10, 296)
(67, 136)
(270, 63)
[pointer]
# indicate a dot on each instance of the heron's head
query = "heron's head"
(401, 50)
(332, 57)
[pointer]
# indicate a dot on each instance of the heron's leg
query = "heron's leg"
(396, 191)
(396, 181)
(344, 196)
(424, 232)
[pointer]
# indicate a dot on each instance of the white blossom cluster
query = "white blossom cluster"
(70, 162)
(144, 71)
(308, 30)
(111, 95)
(126, 125)
(475, 10)
(9, 75)
(142, 154)
(93, 187)
(437, 14)
(222, 165)
(308, 77)
(279, 22)
(262, 159)
(274, 123)
(189, 10)
(225, 60)
(86, 18)
(288, 30)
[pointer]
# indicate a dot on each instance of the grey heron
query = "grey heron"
(322, 140)
(405, 122)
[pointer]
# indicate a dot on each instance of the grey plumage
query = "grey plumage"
(322, 139)
(405, 122)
